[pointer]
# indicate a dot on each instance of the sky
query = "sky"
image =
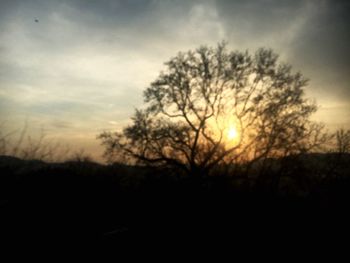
(81, 68)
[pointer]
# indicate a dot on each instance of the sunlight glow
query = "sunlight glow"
(232, 133)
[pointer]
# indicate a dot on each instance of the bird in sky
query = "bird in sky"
(36, 20)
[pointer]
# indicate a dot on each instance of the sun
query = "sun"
(232, 133)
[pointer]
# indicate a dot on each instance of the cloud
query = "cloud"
(313, 36)
(84, 65)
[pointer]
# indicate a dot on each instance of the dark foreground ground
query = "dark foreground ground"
(87, 201)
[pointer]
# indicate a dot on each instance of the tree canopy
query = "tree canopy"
(212, 106)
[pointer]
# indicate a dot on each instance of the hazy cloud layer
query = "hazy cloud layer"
(83, 66)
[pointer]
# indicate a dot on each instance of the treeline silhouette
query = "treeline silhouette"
(83, 199)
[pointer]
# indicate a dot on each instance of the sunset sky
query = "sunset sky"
(82, 66)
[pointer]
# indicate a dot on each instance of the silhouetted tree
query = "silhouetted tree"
(211, 107)
(342, 141)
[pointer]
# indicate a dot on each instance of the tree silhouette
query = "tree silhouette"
(342, 141)
(211, 107)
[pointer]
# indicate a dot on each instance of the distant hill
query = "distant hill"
(14, 161)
